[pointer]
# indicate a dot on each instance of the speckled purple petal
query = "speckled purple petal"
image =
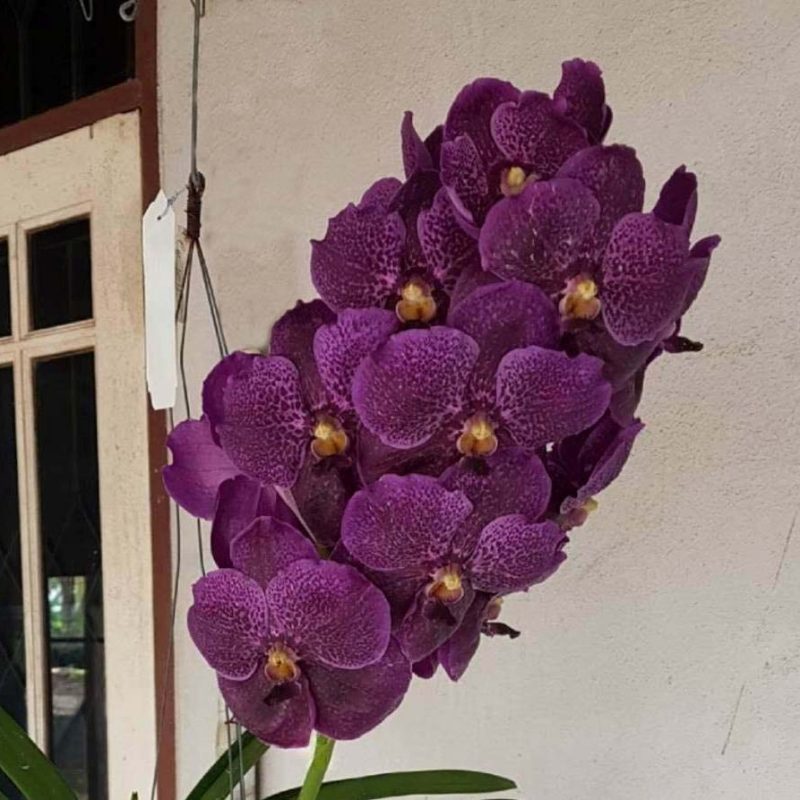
(359, 261)
(403, 523)
(199, 466)
(267, 547)
(285, 724)
(293, 338)
(415, 154)
(239, 502)
(513, 554)
(228, 622)
(543, 395)
(614, 175)
(429, 624)
(581, 96)
(537, 235)
(472, 110)
(677, 201)
(321, 494)
(458, 651)
(382, 193)
(645, 278)
(603, 455)
(215, 383)
(352, 702)
(464, 176)
(414, 384)
(340, 346)
(329, 613)
(500, 318)
(511, 481)
(532, 132)
(447, 248)
(472, 278)
(267, 427)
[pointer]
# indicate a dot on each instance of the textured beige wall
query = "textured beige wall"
(663, 661)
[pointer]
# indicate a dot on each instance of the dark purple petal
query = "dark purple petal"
(199, 466)
(537, 235)
(268, 546)
(605, 451)
(329, 613)
(581, 96)
(464, 176)
(513, 554)
(228, 622)
(293, 338)
(509, 482)
(352, 702)
(321, 494)
(340, 346)
(626, 399)
(614, 175)
(458, 651)
(403, 523)
(240, 501)
(381, 193)
(621, 362)
(267, 427)
(447, 248)
(414, 384)
(543, 395)
(471, 114)
(472, 278)
(429, 624)
(645, 278)
(426, 668)
(500, 318)
(284, 724)
(699, 261)
(359, 261)
(415, 155)
(677, 202)
(533, 133)
(215, 383)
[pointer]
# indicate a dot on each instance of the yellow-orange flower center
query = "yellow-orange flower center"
(447, 586)
(281, 666)
(514, 179)
(329, 437)
(416, 303)
(478, 438)
(580, 300)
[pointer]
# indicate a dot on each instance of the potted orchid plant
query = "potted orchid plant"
(419, 443)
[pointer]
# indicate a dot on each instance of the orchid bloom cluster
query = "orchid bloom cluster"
(415, 445)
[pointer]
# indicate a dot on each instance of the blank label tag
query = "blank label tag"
(158, 253)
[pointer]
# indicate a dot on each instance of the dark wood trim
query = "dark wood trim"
(116, 100)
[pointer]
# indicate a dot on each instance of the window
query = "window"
(76, 572)
(51, 54)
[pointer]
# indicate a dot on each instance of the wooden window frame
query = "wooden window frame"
(137, 94)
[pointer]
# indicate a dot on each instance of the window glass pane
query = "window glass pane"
(5, 291)
(60, 270)
(12, 635)
(66, 447)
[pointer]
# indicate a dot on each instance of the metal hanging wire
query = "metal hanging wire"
(194, 206)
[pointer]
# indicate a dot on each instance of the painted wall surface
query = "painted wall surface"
(663, 661)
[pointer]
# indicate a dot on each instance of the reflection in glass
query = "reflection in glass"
(66, 447)
(12, 634)
(60, 274)
(5, 291)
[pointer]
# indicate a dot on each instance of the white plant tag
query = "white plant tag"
(158, 254)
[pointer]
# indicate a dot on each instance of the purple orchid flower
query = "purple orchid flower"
(298, 644)
(433, 544)
(490, 378)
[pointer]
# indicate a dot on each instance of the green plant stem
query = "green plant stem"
(323, 751)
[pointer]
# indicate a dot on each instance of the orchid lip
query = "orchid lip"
(281, 665)
(416, 303)
(580, 299)
(447, 585)
(478, 439)
(329, 437)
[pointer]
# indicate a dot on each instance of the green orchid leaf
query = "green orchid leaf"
(27, 767)
(405, 784)
(216, 783)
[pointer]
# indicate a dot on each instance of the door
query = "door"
(76, 630)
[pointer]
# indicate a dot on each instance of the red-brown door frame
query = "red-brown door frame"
(138, 93)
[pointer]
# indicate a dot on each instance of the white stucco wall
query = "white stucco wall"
(663, 661)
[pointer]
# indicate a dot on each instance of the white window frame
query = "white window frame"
(92, 172)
